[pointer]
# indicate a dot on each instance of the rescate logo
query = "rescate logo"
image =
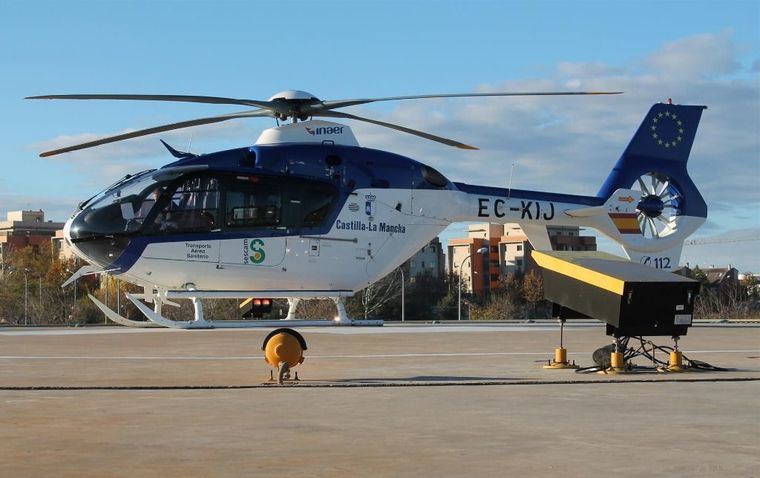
(628, 199)
(324, 130)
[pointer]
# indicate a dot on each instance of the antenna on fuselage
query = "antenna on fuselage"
(509, 186)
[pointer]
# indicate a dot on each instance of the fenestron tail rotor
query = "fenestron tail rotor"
(659, 207)
(294, 104)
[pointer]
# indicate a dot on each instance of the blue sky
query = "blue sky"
(698, 52)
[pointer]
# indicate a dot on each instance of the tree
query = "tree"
(446, 308)
(372, 298)
(751, 286)
(32, 276)
(699, 275)
(316, 309)
(533, 289)
(422, 295)
(505, 303)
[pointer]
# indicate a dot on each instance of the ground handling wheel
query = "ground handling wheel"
(283, 350)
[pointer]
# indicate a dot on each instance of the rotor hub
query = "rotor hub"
(292, 103)
(293, 95)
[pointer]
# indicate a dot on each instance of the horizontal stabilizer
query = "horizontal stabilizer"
(84, 271)
(586, 211)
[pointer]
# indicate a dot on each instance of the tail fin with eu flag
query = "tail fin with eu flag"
(651, 201)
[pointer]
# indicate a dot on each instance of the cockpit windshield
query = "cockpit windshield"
(122, 208)
(159, 204)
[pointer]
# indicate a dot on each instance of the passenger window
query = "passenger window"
(262, 201)
(310, 203)
(253, 201)
(194, 206)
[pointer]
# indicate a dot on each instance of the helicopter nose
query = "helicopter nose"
(86, 232)
(67, 231)
(67, 237)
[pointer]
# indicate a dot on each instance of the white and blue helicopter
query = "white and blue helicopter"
(307, 212)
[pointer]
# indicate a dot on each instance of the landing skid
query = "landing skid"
(155, 319)
(118, 319)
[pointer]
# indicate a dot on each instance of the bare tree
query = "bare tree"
(376, 295)
(316, 309)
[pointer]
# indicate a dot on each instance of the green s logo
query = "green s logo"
(257, 253)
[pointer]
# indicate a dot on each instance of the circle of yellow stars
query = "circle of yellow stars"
(667, 142)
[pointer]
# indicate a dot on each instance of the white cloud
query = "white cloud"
(698, 56)
(57, 208)
(104, 164)
(566, 69)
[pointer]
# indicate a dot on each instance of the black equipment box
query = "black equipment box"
(632, 299)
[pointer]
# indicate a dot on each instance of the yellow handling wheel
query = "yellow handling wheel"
(283, 349)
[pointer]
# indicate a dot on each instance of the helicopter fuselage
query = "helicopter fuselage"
(302, 217)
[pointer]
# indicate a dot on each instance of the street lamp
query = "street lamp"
(74, 302)
(482, 251)
(401, 269)
(26, 296)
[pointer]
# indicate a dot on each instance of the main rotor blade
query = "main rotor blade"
(159, 129)
(179, 98)
(328, 105)
(439, 139)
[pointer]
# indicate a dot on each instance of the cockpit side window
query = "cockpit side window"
(310, 203)
(193, 207)
(277, 202)
(254, 201)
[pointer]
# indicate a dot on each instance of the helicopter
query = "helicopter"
(306, 212)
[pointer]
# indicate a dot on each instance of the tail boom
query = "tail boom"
(650, 223)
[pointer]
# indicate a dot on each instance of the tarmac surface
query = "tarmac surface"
(397, 400)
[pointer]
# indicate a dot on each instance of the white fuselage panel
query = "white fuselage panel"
(375, 232)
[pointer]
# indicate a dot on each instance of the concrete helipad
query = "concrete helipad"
(432, 400)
